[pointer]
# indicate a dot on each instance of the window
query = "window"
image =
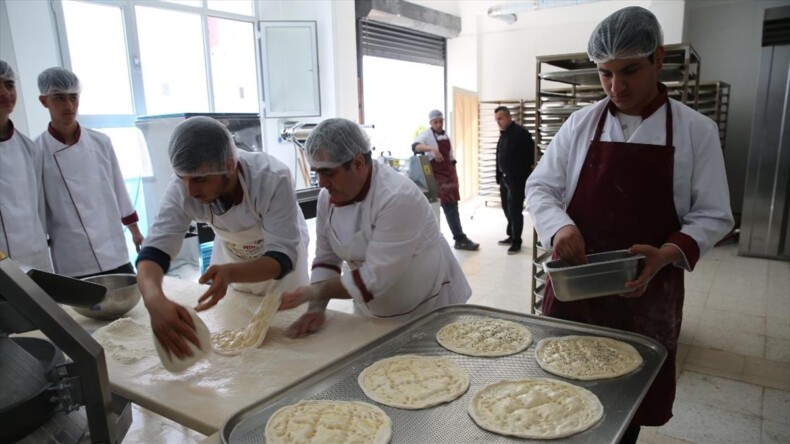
(233, 78)
(173, 62)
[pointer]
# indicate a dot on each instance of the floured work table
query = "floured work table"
(205, 395)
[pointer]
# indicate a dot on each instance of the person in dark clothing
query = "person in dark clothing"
(515, 155)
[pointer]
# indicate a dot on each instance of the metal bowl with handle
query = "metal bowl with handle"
(122, 296)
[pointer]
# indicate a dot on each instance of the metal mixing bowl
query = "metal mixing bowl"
(122, 295)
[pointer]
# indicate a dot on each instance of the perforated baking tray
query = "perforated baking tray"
(450, 423)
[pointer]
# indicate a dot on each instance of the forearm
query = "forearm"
(134, 229)
(258, 270)
(149, 281)
(422, 148)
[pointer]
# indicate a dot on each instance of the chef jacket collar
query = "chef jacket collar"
(51, 129)
(651, 107)
(10, 131)
(363, 193)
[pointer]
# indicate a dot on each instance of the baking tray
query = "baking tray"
(604, 274)
(450, 422)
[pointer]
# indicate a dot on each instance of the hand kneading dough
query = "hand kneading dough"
(175, 364)
(233, 342)
(484, 337)
(413, 381)
(535, 408)
(587, 357)
(331, 422)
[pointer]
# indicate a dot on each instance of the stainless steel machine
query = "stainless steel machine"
(44, 396)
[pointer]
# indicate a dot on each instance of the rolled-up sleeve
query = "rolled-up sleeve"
(326, 264)
(167, 232)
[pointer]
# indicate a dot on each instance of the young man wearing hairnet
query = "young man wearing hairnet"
(380, 225)
(435, 143)
(248, 199)
(87, 201)
(22, 213)
(651, 181)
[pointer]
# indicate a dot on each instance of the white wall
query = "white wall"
(30, 47)
(727, 36)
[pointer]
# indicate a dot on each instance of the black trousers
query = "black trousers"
(453, 220)
(511, 191)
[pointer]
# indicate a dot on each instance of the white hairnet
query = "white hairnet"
(6, 72)
(630, 33)
(435, 114)
(58, 81)
(334, 142)
(201, 146)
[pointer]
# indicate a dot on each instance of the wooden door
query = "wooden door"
(465, 140)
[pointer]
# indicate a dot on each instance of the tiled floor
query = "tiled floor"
(734, 358)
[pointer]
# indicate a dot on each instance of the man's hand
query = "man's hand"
(220, 277)
(307, 324)
(569, 245)
(437, 155)
(655, 260)
(172, 325)
(293, 299)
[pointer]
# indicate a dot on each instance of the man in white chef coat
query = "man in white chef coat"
(86, 197)
(248, 199)
(635, 171)
(378, 223)
(22, 213)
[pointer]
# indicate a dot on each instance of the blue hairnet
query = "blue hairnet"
(58, 81)
(6, 72)
(201, 146)
(334, 142)
(630, 33)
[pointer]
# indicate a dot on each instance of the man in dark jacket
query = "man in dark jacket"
(515, 155)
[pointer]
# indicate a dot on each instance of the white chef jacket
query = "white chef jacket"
(398, 230)
(427, 138)
(272, 196)
(22, 212)
(87, 203)
(701, 194)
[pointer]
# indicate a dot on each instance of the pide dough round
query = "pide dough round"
(587, 357)
(484, 337)
(314, 422)
(233, 342)
(175, 364)
(413, 381)
(535, 408)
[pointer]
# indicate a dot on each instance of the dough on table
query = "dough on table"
(484, 337)
(175, 364)
(413, 381)
(331, 422)
(233, 342)
(587, 357)
(535, 408)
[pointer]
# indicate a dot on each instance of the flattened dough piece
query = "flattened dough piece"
(484, 337)
(535, 408)
(587, 357)
(233, 342)
(174, 364)
(413, 381)
(314, 422)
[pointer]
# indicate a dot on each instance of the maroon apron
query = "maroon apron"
(625, 197)
(444, 173)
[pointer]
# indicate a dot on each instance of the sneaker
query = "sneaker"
(514, 248)
(466, 244)
(506, 241)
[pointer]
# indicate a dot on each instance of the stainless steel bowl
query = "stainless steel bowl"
(122, 295)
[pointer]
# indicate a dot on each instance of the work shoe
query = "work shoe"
(514, 248)
(466, 244)
(506, 241)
